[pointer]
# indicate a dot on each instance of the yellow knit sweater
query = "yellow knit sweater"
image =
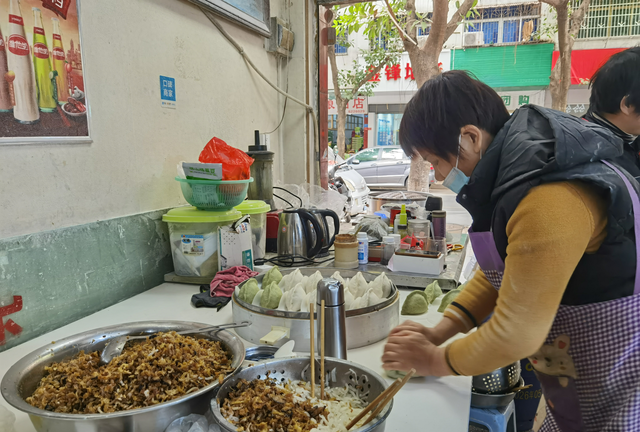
(549, 232)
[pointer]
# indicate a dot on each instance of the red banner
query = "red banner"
(584, 63)
(60, 7)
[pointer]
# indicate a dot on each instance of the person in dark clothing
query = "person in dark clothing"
(554, 232)
(615, 102)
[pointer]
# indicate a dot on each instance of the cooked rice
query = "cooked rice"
(146, 373)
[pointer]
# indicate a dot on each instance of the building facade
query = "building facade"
(511, 46)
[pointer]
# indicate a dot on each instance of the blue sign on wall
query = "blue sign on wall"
(167, 92)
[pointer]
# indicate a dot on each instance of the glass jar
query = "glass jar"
(388, 249)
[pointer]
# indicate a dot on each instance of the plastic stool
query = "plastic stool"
(495, 420)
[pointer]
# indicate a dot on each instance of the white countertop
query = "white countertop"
(437, 404)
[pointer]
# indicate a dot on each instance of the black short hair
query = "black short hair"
(433, 117)
(617, 78)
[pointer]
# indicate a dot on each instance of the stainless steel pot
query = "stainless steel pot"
(364, 326)
(488, 401)
(419, 198)
(23, 377)
(497, 381)
(367, 383)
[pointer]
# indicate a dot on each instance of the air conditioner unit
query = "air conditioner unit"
(473, 39)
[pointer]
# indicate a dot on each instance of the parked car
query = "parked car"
(347, 181)
(386, 166)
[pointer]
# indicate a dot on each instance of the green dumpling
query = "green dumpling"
(272, 275)
(416, 303)
(433, 291)
(271, 296)
(448, 298)
(249, 290)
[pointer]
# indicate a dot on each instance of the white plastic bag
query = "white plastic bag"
(190, 423)
(7, 420)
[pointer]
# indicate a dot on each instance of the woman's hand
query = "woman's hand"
(408, 349)
(446, 329)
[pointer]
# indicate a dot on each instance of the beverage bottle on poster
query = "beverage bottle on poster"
(6, 105)
(20, 75)
(42, 65)
(58, 63)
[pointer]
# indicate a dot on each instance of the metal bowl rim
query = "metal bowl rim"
(498, 395)
(11, 394)
(215, 408)
(305, 315)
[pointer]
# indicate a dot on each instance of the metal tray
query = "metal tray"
(23, 378)
(325, 272)
(365, 326)
(367, 383)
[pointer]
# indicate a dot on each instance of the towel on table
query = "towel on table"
(219, 292)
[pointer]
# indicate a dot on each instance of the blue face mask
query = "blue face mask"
(456, 179)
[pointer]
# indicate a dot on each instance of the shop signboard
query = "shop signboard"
(42, 84)
(358, 105)
(516, 98)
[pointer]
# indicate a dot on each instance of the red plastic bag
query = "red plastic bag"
(236, 164)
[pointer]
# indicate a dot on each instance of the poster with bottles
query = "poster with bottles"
(42, 87)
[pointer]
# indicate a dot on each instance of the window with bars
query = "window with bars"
(505, 24)
(610, 18)
(342, 43)
(425, 31)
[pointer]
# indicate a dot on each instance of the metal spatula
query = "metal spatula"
(115, 346)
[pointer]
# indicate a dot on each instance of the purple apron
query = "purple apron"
(589, 367)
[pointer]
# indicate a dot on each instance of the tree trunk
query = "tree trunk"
(560, 79)
(342, 124)
(424, 62)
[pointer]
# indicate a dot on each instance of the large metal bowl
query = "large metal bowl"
(23, 378)
(366, 382)
(364, 326)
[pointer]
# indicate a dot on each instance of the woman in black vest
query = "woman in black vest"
(554, 231)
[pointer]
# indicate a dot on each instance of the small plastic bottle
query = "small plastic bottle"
(363, 248)
(396, 238)
(388, 249)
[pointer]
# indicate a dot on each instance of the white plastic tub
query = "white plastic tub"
(194, 239)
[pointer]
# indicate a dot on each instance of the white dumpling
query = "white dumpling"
(358, 285)
(386, 285)
(348, 299)
(291, 280)
(355, 304)
(364, 300)
(256, 299)
(376, 287)
(283, 300)
(312, 282)
(295, 298)
(312, 297)
(338, 276)
(374, 299)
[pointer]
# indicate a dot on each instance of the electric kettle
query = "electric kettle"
(326, 240)
(296, 232)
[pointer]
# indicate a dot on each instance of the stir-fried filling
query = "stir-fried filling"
(271, 406)
(147, 373)
(263, 405)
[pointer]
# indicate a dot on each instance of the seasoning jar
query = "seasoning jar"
(388, 249)
(346, 251)
(363, 248)
(439, 221)
(416, 226)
